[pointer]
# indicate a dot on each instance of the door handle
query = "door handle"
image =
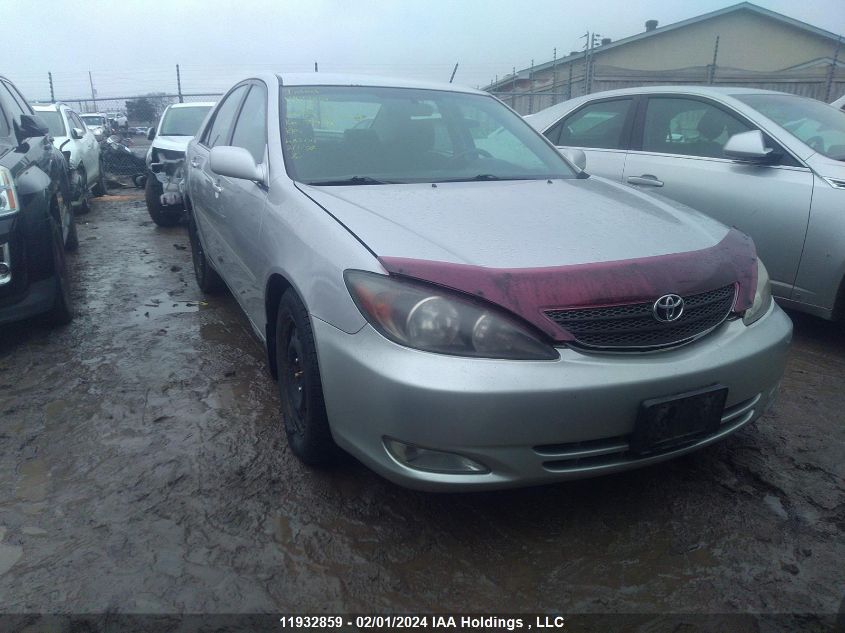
(646, 179)
(215, 184)
(195, 163)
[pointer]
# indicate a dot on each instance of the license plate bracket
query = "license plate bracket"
(671, 421)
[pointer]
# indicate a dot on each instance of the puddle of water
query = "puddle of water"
(9, 555)
(34, 480)
(163, 305)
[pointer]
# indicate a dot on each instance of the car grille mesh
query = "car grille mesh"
(633, 326)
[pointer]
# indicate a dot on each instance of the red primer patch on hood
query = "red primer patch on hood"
(528, 292)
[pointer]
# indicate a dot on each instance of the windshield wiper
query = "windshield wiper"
(478, 178)
(354, 180)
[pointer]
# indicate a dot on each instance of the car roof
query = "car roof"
(332, 79)
(193, 104)
(550, 115)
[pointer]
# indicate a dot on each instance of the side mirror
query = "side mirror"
(575, 156)
(29, 126)
(76, 133)
(749, 147)
(151, 134)
(234, 162)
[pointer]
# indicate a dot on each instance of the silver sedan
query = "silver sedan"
(445, 297)
(769, 163)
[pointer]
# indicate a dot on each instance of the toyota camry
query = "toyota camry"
(447, 298)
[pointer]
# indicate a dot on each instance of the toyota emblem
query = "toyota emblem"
(668, 308)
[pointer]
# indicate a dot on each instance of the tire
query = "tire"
(72, 239)
(99, 188)
(60, 313)
(207, 278)
(152, 193)
(85, 206)
(300, 388)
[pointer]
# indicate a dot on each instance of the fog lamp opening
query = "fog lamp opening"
(433, 461)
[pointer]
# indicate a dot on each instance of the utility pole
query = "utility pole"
(554, 76)
(52, 96)
(513, 89)
(454, 70)
(316, 68)
(832, 70)
(93, 92)
(712, 76)
(179, 83)
(531, 88)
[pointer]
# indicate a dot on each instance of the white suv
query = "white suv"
(80, 148)
(166, 159)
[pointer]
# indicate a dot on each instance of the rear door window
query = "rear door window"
(599, 125)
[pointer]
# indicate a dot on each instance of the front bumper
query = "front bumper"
(533, 422)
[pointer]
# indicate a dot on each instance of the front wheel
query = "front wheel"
(99, 188)
(160, 215)
(300, 388)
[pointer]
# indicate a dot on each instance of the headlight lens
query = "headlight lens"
(8, 195)
(762, 296)
(434, 319)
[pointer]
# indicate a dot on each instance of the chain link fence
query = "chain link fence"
(141, 112)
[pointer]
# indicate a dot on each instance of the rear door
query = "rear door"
(242, 205)
(677, 152)
(205, 186)
(602, 130)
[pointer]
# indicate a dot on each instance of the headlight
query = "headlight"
(8, 195)
(762, 296)
(434, 319)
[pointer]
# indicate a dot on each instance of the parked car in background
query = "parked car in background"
(98, 124)
(166, 159)
(769, 163)
(465, 315)
(80, 149)
(839, 103)
(37, 223)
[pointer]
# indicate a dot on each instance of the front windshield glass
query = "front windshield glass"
(817, 124)
(93, 120)
(183, 121)
(336, 135)
(54, 122)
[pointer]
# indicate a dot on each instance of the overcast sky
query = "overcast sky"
(132, 46)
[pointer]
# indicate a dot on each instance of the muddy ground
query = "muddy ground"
(144, 469)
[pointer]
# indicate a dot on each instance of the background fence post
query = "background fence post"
(179, 84)
(712, 76)
(52, 95)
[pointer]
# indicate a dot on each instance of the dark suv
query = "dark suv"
(36, 221)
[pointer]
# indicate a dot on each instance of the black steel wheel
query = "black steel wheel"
(300, 388)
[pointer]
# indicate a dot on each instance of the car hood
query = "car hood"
(517, 224)
(827, 167)
(530, 246)
(172, 143)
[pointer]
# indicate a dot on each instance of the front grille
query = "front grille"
(633, 326)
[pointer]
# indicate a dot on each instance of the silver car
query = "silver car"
(445, 297)
(768, 163)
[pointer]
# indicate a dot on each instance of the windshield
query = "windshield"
(93, 120)
(817, 124)
(336, 135)
(54, 121)
(183, 121)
